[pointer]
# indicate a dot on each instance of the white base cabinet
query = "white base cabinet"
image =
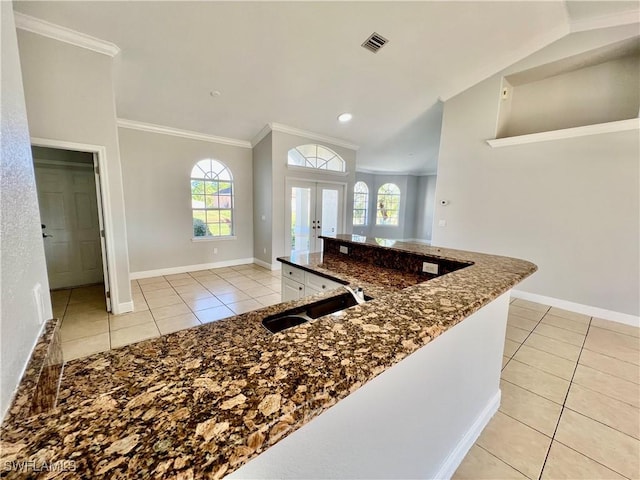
(296, 283)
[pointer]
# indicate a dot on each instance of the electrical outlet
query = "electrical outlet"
(430, 268)
(264, 250)
(215, 250)
(344, 249)
(442, 223)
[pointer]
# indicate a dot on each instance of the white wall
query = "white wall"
(281, 144)
(425, 206)
(263, 200)
(570, 206)
(156, 169)
(22, 261)
(69, 97)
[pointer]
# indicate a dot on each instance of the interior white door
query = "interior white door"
(314, 209)
(71, 231)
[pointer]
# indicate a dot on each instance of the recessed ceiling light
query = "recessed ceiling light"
(344, 117)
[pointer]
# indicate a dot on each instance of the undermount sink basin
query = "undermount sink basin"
(306, 313)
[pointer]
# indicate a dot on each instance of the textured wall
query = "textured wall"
(156, 169)
(22, 261)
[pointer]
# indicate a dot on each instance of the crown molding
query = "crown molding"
(150, 127)
(410, 173)
(278, 127)
(64, 34)
(261, 134)
(605, 21)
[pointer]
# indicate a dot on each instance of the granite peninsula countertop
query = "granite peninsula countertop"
(201, 402)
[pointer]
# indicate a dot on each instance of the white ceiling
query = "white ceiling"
(301, 63)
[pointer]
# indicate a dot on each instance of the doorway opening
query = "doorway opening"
(71, 212)
(313, 209)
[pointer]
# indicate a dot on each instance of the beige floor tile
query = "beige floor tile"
(220, 270)
(86, 346)
(152, 287)
(169, 311)
(270, 282)
(116, 322)
(530, 378)
(214, 314)
(505, 360)
(133, 334)
(510, 347)
(190, 296)
(561, 322)
(610, 365)
(180, 322)
(247, 284)
(538, 307)
(607, 446)
(82, 308)
(604, 346)
(531, 409)
(481, 465)
(173, 299)
(259, 291)
(203, 303)
(190, 289)
(525, 312)
(244, 306)
(521, 322)
(232, 297)
(159, 293)
(183, 282)
(578, 317)
(223, 289)
(88, 316)
(565, 463)
(233, 275)
(618, 415)
(83, 328)
(614, 340)
(551, 345)
(201, 273)
(608, 385)
(60, 295)
(516, 334)
(151, 280)
(177, 276)
(271, 299)
(514, 443)
(560, 334)
(616, 327)
(546, 362)
(140, 304)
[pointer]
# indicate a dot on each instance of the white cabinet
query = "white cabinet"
(296, 283)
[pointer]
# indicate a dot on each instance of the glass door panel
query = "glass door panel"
(302, 239)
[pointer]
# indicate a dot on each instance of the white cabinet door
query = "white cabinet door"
(318, 283)
(291, 290)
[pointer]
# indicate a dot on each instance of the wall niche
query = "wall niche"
(595, 87)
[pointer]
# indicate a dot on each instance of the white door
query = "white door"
(70, 225)
(313, 209)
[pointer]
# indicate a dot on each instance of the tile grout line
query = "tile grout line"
(555, 431)
(495, 456)
(525, 339)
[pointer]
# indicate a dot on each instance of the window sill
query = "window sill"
(212, 239)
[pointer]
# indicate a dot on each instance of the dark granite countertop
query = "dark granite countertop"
(201, 402)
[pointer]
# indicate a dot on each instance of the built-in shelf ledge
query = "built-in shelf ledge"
(609, 127)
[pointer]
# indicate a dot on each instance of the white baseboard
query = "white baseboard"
(189, 268)
(269, 266)
(619, 317)
(455, 458)
(120, 308)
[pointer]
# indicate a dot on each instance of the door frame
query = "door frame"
(287, 207)
(104, 209)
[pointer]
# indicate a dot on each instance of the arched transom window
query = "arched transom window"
(316, 156)
(360, 203)
(388, 204)
(212, 199)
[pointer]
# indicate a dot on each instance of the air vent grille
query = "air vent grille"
(375, 42)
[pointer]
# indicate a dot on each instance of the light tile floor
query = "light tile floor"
(570, 383)
(570, 400)
(162, 305)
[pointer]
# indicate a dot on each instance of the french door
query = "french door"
(313, 209)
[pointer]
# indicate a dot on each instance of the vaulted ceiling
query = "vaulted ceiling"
(301, 63)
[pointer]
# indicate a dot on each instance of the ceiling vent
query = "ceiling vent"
(375, 42)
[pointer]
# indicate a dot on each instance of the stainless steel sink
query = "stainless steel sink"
(306, 313)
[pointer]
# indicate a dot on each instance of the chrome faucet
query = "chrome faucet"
(358, 294)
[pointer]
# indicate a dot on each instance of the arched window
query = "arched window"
(316, 156)
(388, 204)
(360, 203)
(212, 199)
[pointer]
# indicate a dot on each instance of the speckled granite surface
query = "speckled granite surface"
(201, 402)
